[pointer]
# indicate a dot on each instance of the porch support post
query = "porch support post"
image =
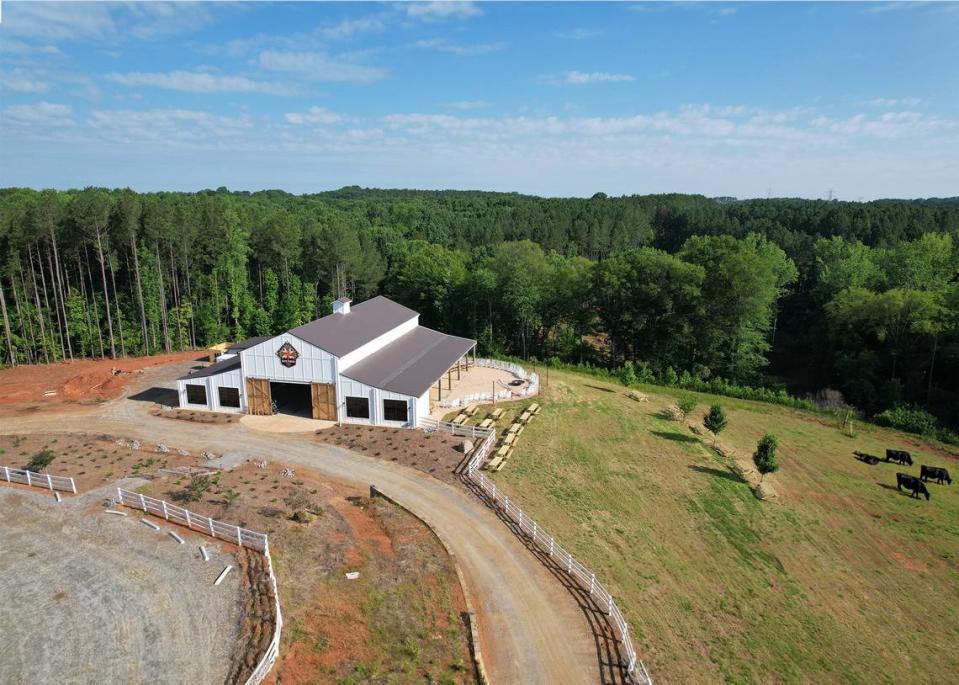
(439, 390)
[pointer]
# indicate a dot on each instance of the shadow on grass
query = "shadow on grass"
(675, 437)
(596, 387)
(904, 493)
(165, 396)
(718, 473)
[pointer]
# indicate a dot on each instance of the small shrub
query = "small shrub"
(41, 460)
(715, 421)
(230, 497)
(198, 485)
(627, 375)
(687, 405)
(909, 419)
(765, 455)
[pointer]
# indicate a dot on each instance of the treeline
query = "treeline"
(860, 298)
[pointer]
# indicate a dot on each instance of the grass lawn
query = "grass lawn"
(839, 579)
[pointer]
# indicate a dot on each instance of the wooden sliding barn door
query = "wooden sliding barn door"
(259, 400)
(324, 401)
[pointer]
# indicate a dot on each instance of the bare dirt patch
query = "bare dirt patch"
(401, 619)
(83, 381)
(437, 454)
(196, 416)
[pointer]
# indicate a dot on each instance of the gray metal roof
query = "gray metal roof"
(214, 369)
(248, 343)
(340, 334)
(412, 363)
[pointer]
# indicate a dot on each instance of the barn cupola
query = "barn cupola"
(342, 306)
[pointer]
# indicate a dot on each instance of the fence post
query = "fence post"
(551, 543)
(592, 583)
(239, 536)
(6, 473)
(212, 531)
(73, 485)
(609, 605)
(143, 503)
(49, 482)
(163, 505)
(535, 526)
(28, 478)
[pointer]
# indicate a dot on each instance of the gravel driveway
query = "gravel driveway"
(92, 598)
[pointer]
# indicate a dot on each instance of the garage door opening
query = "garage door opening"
(292, 398)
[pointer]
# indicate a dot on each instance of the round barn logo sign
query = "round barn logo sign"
(287, 354)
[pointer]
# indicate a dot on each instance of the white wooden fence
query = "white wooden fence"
(504, 394)
(547, 543)
(223, 531)
(39, 480)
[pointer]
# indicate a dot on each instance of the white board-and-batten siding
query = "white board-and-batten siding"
(351, 388)
(230, 379)
(314, 365)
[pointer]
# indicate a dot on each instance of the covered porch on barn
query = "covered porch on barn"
(459, 387)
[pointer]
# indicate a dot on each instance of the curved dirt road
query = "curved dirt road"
(531, 628)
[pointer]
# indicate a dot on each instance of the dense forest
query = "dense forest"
(856, 302)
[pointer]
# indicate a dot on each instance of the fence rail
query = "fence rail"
(39, 480)
(455, 428)
(223, 531)
(547, 543)
(194, 521)
(504, 394)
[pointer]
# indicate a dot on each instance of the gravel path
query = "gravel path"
(94, 598)
(532, 630)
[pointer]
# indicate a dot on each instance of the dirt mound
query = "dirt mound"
(85, 380)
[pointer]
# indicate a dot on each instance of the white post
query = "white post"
(73, 485)
(551, 543)
(239, 536)
(163, 506)
(143, 503)
(592, 583)
(535, 526)
(28, 478)
(609, 605)
(212, 532)
(189, 524)
(49, 482)
(6, 473)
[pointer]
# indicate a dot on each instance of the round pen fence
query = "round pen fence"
(506, 393)
(545, 542)
(39, 480)
(222, 531)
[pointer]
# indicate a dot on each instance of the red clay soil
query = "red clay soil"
(82, 381)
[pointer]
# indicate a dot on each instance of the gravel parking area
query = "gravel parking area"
(88, 597)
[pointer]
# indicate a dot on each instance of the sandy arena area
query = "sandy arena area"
(479, 379)
(94, 598)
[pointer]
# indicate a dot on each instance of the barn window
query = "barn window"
(358, 407)
(229, 397)
(196, 394)
(396, 410)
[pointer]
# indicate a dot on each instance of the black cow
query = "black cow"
(870, 459)
(900, 456)
(937, 473)
(904, 480)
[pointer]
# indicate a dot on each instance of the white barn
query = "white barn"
(371, 363)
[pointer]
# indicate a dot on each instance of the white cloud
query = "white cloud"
(200, 82)
(167, 125)
(43, 115)
(89, 21)
(443, 45)
(20, 82)
(726, 11)
(431, 11)
(319, 66)
(894, 102)
(578, 34)
(347, 28)
(315, 115)
(467, 104)
(579, 78)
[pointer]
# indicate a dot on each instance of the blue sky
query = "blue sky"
(719, 98)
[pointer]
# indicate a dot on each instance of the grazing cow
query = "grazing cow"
(904, 480)
(900, 456)
(937, 473)
(870, 459)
